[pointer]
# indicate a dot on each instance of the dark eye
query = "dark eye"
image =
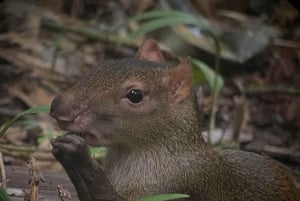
(135, 95)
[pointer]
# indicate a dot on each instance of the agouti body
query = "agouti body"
(143, 110)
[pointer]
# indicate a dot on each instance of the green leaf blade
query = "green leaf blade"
(164, 197)
(156, 14)
(202, 73)
(33, 110)
(3, 195)
(165, 22)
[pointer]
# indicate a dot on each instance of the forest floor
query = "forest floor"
(46, 46)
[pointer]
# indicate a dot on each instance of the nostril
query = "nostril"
(63, 110)
(53, 106)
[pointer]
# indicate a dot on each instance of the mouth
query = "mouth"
(85, 135)
(89, 138)
(80, 134)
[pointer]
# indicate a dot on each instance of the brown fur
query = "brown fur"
(154, 147)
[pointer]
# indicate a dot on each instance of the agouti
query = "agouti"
(144, 112)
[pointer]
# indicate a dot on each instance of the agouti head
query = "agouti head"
(128, 101)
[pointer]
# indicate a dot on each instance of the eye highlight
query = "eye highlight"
(135, 95)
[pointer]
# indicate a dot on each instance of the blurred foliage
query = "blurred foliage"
(159, 19)
(3, 195)
(33, 110)
(164, 197)
(203, 73)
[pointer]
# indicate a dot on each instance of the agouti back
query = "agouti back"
(144, 112)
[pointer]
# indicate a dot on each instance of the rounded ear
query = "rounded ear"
(149, 50)
(180, 81)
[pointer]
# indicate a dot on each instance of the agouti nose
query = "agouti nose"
(63, 110)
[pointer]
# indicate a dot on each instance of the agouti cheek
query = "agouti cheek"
(144, 107)
(94, 141)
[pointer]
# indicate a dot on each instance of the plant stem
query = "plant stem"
(212, 119)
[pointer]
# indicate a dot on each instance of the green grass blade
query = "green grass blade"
(164, 22)
(33, 110)
(151, 15)
(164, 197)
(157, 14)
(148, 16)
(3, 195)
(202, 71)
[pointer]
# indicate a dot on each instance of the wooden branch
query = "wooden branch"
(2, 173)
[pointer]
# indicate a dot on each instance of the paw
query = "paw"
(70, 149)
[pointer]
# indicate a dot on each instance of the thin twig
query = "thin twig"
(35, 178)
(2, 173)
(63, 193)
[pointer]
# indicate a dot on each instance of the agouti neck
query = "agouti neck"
(168, 157)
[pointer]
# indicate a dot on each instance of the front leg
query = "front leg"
(88, 178)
